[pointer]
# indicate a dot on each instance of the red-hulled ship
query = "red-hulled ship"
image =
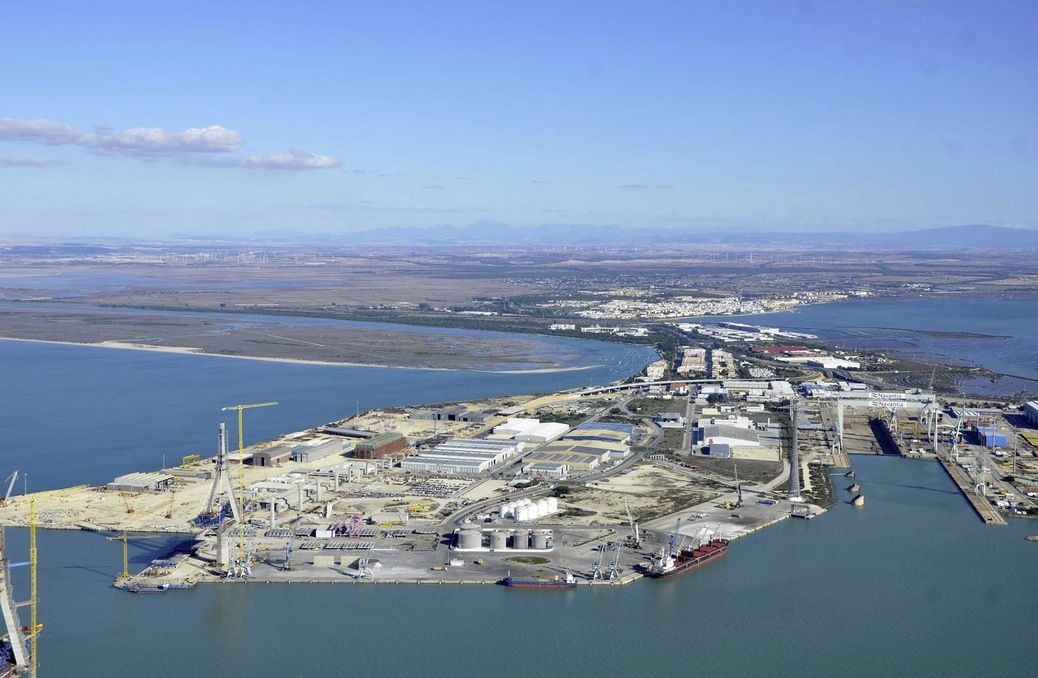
(669, 562)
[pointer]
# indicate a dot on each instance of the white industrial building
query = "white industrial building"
(531, 430)
(830, 363)
(141, 482)
(669, 420)
(726, 434)
(462, 456)
(547, 469)
(1031, 410)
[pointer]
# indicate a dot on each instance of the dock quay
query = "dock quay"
(307, 507)
(988, 513)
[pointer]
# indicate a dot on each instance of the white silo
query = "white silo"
(553, 505)
(522, 514)
(535, 512)
(469, 539)
(542, 508)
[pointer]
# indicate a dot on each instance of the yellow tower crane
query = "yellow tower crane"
(34, 627)
(241, 469)
(241, 419)
(125, 574)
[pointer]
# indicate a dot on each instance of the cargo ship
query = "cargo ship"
(668, 563)
(567, 582)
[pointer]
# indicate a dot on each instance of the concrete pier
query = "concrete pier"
(988, 513)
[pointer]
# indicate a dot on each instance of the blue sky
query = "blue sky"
(157, 118)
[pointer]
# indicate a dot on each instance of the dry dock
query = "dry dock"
(980, 504)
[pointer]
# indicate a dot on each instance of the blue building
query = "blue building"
(988, 436)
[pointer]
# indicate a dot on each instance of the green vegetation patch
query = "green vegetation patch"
(528, 560)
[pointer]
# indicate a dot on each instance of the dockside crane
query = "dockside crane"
(10, 486)
(738, 486)
(614, 567)
(596, 568)
(672, 543)
(636, 541)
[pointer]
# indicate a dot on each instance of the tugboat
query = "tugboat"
(672, 560)
(566, 582)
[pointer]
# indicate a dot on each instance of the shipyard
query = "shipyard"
(596, 486)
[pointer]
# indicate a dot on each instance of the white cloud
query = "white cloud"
(153, 141)
(25, 161)
(38, 131)
(293, 160)
(195, 144)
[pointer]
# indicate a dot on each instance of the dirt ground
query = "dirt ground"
(651, 492)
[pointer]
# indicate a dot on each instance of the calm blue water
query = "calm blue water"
(75, 414)
(910, 585)
(1011, 324)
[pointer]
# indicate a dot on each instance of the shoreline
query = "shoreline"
(189, 350)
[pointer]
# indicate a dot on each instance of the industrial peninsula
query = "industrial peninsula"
(598, 485)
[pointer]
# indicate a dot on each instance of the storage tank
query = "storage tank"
(522, 514)
(542, 508)
(553, 505)
(498, 540)
(521, 539)
(507, 510)
(469, 539)
(534, 513)
(539, 540)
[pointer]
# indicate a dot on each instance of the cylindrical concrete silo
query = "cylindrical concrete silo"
(498, 540)
(469, 539)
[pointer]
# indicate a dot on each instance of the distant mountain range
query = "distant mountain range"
(944, 238)
(979, 236)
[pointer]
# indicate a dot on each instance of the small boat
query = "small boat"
(1033, 537)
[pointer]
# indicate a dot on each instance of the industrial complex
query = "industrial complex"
(601, 485)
